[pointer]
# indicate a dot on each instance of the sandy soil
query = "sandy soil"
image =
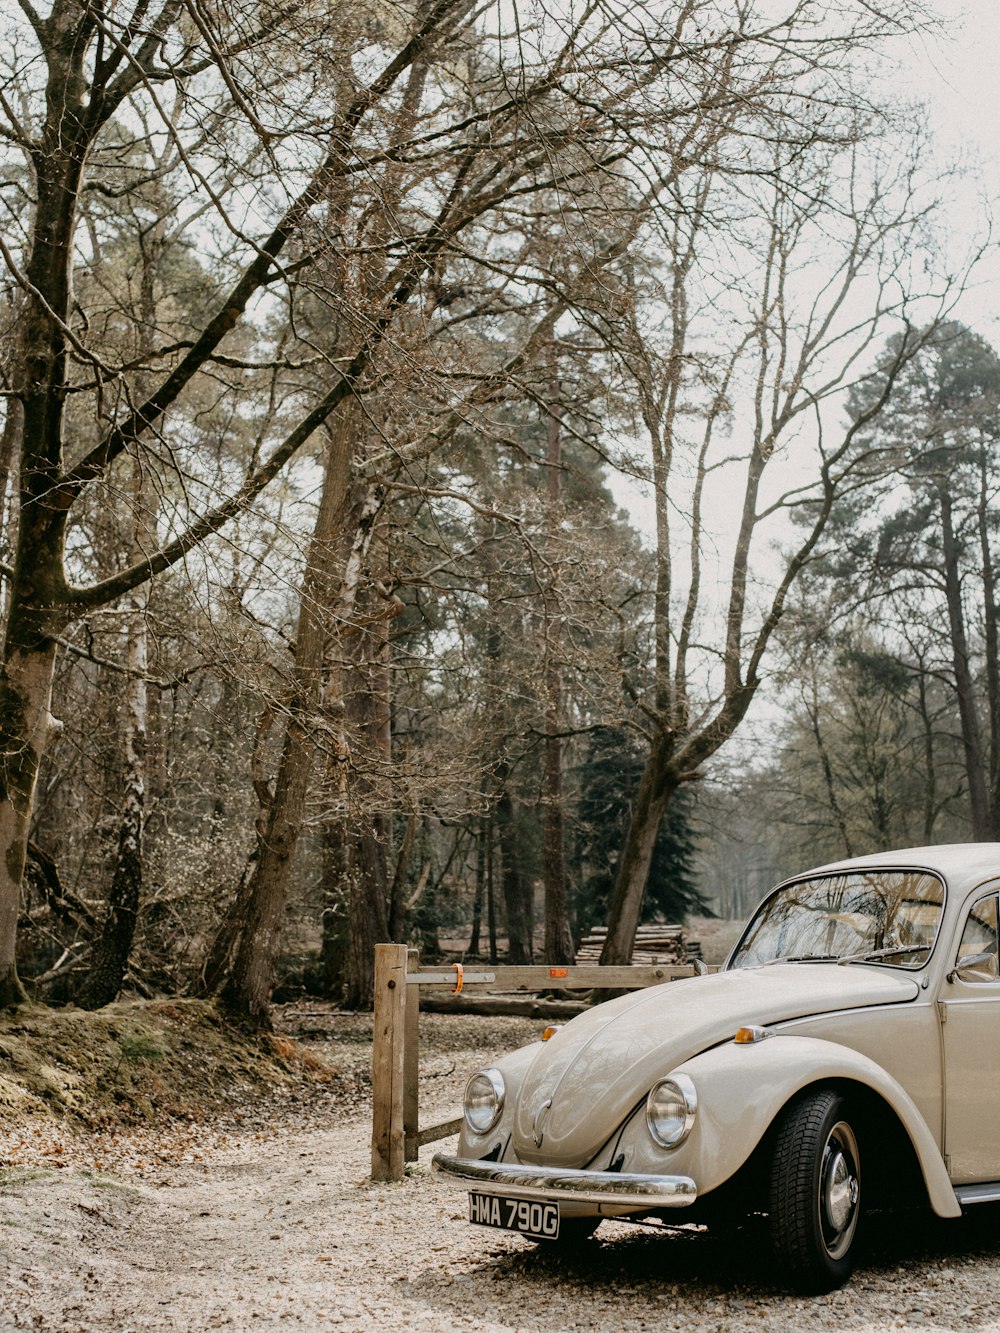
(273, 1223)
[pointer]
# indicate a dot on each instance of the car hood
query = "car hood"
(597, 1068)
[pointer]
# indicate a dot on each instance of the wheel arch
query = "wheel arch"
(733, 1132)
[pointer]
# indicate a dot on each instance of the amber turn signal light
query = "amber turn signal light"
(745, 1036)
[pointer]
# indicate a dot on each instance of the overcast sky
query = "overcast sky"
(957, 77)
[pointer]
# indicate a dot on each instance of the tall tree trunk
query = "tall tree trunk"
(10, 452)
(558, 938)
(38, 601)
(477, 903)
(110, 956)
(972, 746)
(516, 888)
(220, 952)
(332, 975)
(991, 643)
(247, 990)
(491, 898)
(930, 776)
(656, 787)
(349, 713)
(367, 921)
(397, 893)
(25, 727)
(366, 924)
(37, 612)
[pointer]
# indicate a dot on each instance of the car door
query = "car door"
(970, 1014)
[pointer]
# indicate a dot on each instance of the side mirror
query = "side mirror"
(975, 967)
(700, 967)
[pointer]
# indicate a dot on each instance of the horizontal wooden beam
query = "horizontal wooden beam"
(449, 978)
(505, 1006)
(514, 980)
(434, 1132)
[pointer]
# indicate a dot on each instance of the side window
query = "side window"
(980, 937)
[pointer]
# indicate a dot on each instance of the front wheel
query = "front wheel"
(815, 1198)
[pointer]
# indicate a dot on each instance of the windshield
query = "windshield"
(874, 916)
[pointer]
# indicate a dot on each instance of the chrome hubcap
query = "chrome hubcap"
(840, 1190)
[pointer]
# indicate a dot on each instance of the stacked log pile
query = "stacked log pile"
(655, 942)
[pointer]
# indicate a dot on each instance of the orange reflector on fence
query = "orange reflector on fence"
(558, 971)
(459, 977)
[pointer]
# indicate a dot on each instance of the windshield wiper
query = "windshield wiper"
(873, 955)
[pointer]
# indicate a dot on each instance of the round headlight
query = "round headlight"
(484, 1094)
(670, 1110)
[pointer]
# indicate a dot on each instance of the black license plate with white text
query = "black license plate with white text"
(521, 1215)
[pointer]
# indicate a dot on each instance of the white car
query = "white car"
(847, 1055)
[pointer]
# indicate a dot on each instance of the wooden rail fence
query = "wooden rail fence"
(396, 1133)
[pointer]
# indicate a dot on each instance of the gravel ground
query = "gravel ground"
(271, 1222)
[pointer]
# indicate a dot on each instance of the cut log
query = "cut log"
(655, 942)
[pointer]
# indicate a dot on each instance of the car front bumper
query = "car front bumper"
(553, 1184)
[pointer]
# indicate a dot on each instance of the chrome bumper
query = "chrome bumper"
(552, 1183)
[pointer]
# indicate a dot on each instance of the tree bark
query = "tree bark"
(38, 592)
(991, 642)
(491, 899)
(516, 889)
(930, 779)
(558, 937)
(336, 906)
(477, 904)
(367, 921)
(25, 727)
(10, 453)
(247, 989)
(110, 955)
(397, 893)
(972, 746)
(367, 925)
(656, 787)
(26, 722)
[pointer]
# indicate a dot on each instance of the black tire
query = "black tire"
(815, 1198)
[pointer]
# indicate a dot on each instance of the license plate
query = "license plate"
(522, 1215)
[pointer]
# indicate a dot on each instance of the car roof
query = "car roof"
(962, 865)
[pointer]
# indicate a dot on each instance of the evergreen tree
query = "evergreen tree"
(608, 781)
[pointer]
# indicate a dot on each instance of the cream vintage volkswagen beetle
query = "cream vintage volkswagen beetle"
(847, 1055)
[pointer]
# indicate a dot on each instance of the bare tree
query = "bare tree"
(797, 349)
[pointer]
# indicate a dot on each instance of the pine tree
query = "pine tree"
(609, 779)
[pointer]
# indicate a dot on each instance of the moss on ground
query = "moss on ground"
(139, 1062)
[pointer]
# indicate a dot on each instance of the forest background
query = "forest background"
(475, 470)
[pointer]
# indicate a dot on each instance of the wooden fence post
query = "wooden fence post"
(388, 1048)
(411, 1064)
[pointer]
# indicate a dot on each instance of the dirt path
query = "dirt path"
(276, 1225)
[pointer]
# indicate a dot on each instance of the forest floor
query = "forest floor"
(261, 1215)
